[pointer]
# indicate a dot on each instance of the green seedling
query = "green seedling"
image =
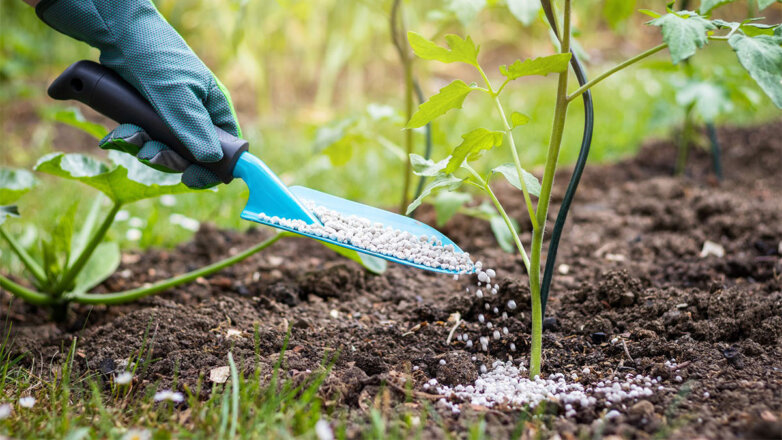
(69, 262)
(684, 32)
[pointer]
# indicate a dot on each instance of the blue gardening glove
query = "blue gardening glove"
(138, 43)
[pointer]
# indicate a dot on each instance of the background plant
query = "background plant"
(758, 47)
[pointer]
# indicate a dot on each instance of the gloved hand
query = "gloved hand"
(138, 43)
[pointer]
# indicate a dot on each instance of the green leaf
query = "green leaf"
(473, 143)
(708, 100)
(14, 183)
(102, 263)
(509, 171)
(127, 181)
(449, 182)
(447, 203)
(517, 119)
(708, 5)
(72, 116)
(763, 4)
(650, 13)
(427, 167)
(536, 66)
(761, 56)
(525, 11)
(684, 32)
(449, 97)
(459, 50)
(373, 264)
(341, 151)
(8, 211)
(502, 234)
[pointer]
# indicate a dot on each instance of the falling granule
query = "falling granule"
(483, 277)
(479, 293)
(491, 273)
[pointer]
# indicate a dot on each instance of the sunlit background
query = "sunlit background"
(319, 90)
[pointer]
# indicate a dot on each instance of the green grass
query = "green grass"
(246, 406)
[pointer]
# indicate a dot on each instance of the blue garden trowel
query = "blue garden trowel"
(109, 94)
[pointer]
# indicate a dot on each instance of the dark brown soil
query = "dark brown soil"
(634, 273)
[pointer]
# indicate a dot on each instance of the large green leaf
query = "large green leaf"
(708, 5)
(127, 181)
(72, 116)
(526, 11)
(101, 264)
(536, 66)
(459, 50)
(449, 97)
(509, 171)
(14, 183)
(684, 32)
(473, 144)
(447, 203)
(8, 211)
(762, 57)
(427, 167)
(448, 181)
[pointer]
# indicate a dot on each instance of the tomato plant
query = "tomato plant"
(684, 32)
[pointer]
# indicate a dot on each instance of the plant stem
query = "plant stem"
(517, 162)
(685, 141)
(28, 261)
(615, 69)
(485, 186)
(557, 129)
(26, 294)
(134, 294)
(512, 142)
(397, 37)
(75, 268)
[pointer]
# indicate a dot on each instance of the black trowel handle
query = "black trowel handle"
(106, 92)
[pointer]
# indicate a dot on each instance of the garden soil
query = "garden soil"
(631, 293)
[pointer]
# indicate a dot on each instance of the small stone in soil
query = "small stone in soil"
(550, 323)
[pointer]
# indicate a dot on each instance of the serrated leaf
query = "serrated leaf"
(617, 12)
(72, 116)
(449, 182)
(449, 97)
(761, 56)
(709, 5)
(508, 170)
(427, 167)
(473, 144)
(447, 203)
(536, 66)
(373, 264)
(125, 182)
(684, 32)
(8, 211)
(525, 11)
(14, 183)
(708, 100)
(459, 50)
(517, 119)
(502, 234)
(102, 263)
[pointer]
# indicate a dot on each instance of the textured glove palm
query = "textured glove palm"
(138, 43)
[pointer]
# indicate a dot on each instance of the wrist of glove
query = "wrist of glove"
(138, 43)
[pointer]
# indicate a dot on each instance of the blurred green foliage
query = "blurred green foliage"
(320, 93)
